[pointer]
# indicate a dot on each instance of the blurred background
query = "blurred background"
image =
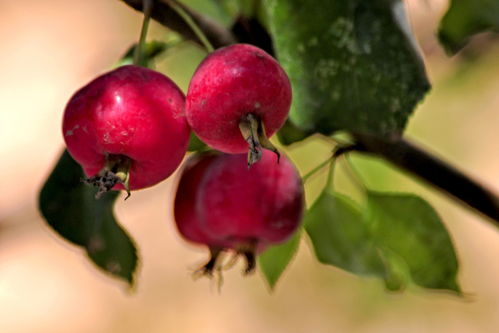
(50, 48)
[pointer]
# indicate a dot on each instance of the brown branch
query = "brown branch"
(433, 170)
(164, 14)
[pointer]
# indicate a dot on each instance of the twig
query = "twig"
(188, 19)
(138, 57)
(164, 14)
(430, 168)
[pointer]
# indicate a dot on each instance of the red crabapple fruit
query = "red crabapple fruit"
(224, 204)
(238, 97)
(127, 128)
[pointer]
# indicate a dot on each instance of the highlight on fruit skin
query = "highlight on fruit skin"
(127, 128)
(238, 97)
(223, 204)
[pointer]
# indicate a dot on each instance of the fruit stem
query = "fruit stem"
(138, 57)
(253, 131)
(123, 173)
(248, 251)
(250, 262)
(212, 264)
(116, 171)
(190, 22)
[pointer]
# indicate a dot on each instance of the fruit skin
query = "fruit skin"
(133, 112)
(186, 218)
(230, 83)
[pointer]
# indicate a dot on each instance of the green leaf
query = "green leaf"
(274, 260)
(195, 144)
(220, 11)
(400, 240)
(71, 209)
(289, 134)
(397, 276)
(150, 51)
(341, 237)
(353, 65)
(466, 18)
(406, 226)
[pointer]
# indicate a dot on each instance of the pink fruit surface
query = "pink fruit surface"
(133, 113)
(231, 83)
(186, 218)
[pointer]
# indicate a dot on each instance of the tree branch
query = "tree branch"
(164, 14)
(433, 170)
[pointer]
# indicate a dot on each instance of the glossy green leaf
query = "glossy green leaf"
(406, 226)
(70, 208)
(353, 64)
(274, 260)
(465, 18)
(341, 237)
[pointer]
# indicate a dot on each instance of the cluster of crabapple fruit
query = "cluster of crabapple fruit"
(129, 129)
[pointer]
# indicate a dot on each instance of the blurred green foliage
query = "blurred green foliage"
(466, 18)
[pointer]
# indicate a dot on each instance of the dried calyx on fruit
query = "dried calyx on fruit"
(127, 129)
(238, 97)
(223, 204)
